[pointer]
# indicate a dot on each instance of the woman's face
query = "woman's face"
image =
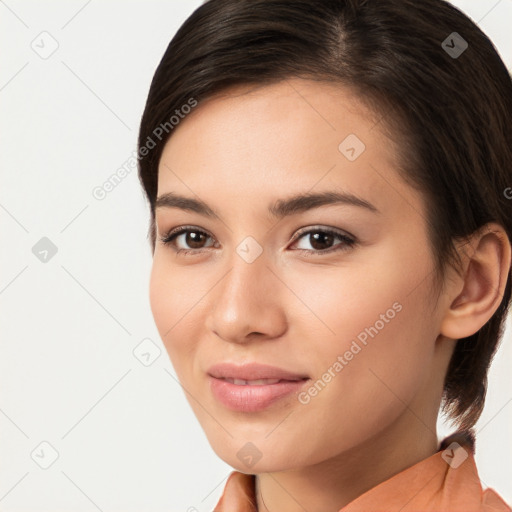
(333, 290)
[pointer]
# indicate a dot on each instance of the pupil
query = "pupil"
(192, 239)
(323, 237)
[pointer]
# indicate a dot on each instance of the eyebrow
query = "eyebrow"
(281, 208)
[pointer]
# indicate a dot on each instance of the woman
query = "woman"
(330, 228)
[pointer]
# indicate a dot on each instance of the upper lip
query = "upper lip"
(252, 371)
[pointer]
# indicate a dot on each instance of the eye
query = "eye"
(191, 236)
(321, 240)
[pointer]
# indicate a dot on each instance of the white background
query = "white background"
(125, 435)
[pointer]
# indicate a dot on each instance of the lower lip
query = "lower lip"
(247, 398)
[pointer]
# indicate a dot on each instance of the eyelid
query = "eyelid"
(324, 229)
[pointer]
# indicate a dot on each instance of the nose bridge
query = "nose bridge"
(247, 283)
(249, 272)
(246, 301)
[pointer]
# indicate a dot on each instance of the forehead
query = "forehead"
(263, 143)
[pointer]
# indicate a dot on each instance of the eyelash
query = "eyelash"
(348, 242)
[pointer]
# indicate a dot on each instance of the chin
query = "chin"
(254, 454)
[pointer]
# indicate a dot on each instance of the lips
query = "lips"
(252, 387)
(252, 372)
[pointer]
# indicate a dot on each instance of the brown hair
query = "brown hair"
(447, 105)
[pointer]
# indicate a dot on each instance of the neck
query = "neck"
(332, 484)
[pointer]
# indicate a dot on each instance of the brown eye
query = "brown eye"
(186, 239)
(322, 240)
(194, 239)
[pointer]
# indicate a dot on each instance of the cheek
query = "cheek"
(379, 298)
(354, 398)
(364, 299)
(175, 304)
(379, 356)
(161, 298)
(367, 325)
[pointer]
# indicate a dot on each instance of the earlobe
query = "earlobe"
(476, 294)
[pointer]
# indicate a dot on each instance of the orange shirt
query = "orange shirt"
(447, 481)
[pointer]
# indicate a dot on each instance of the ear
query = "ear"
(475, 295)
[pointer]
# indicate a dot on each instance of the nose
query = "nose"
(246, 304)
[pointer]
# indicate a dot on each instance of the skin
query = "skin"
(241, 151)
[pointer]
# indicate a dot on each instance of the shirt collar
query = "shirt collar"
(445, 481)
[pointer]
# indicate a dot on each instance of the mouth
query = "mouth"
(252, 387)
(253, 372)
(257, 382)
